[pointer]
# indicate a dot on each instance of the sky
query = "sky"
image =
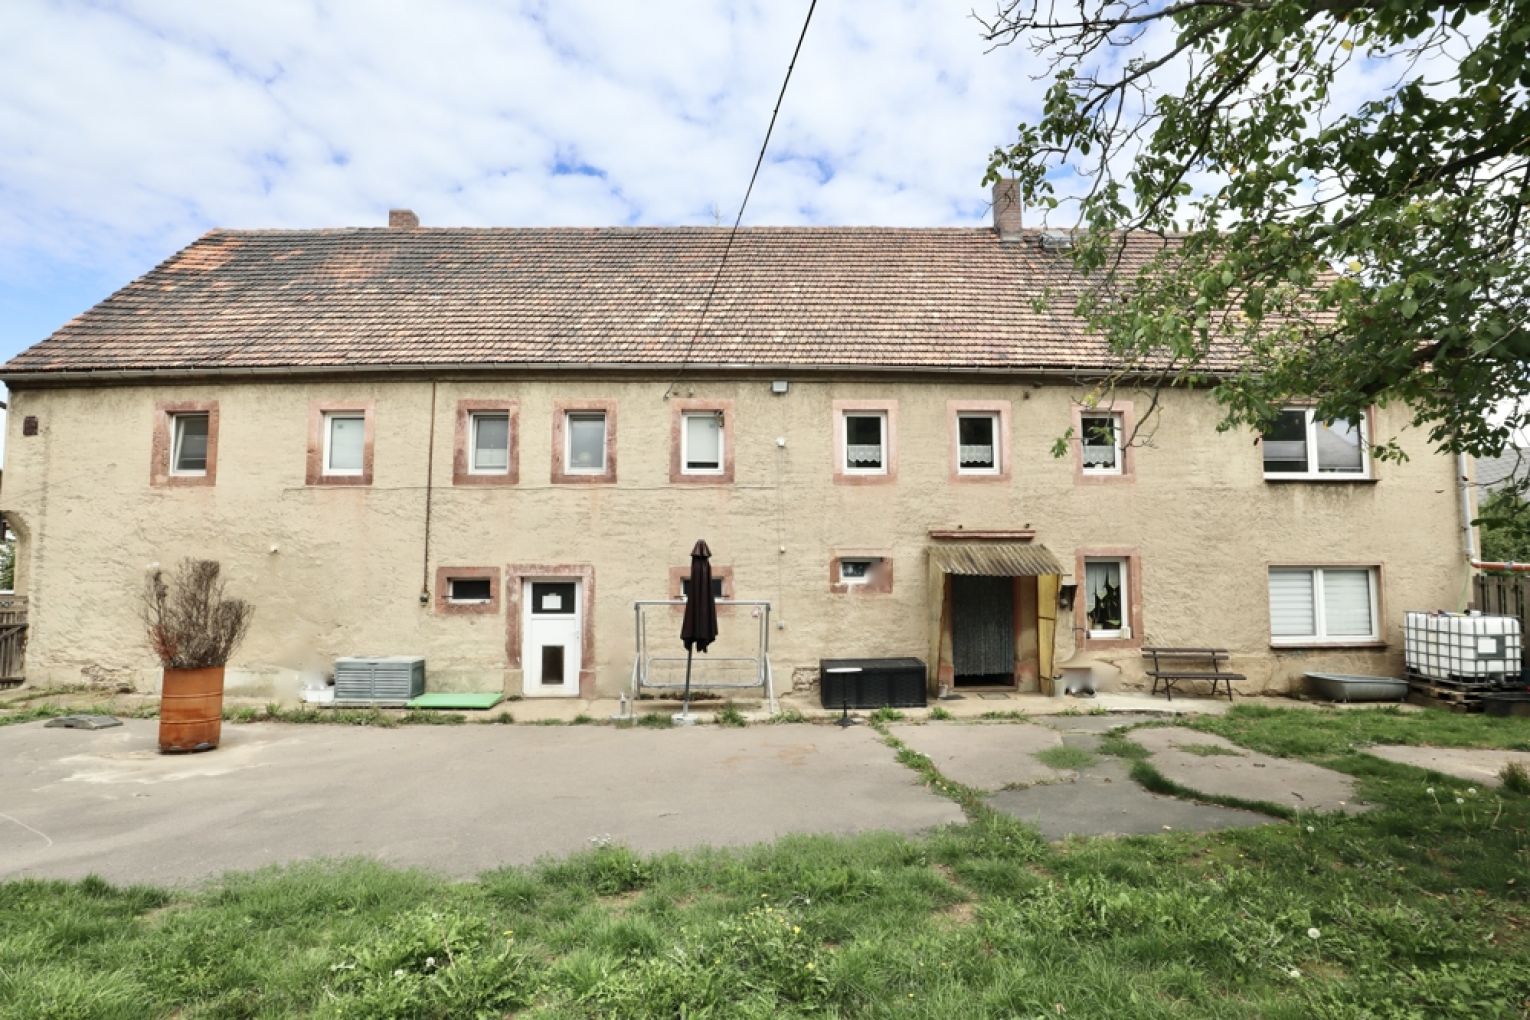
(130, 127)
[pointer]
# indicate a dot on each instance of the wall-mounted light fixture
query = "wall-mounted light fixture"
(780, 386)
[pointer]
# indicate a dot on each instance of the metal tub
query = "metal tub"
(1355, 687)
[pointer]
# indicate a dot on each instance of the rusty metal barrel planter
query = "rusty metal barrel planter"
(191, 710)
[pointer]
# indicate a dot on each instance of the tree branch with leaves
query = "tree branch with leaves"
(1339, 187)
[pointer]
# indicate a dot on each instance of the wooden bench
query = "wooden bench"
(1198, 664)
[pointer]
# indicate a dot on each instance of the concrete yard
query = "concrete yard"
(1474, 765)
(463, 799)
(1212, 765)
(1104, 801)
(986, 756)
(455, 799)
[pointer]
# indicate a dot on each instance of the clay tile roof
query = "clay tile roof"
(898, 298)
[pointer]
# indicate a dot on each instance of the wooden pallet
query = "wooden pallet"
(1455, 683)
(1457, 699)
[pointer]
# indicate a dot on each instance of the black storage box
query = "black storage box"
(871, 683)
(1507, 703)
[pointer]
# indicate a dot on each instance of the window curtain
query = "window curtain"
(1103, 599)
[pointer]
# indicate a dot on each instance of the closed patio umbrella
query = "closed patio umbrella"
(699, 628)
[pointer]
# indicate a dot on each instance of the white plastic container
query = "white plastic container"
(1461, 646)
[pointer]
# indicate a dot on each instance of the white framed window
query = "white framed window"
(1100, 441)
(188, 453)
(1323, 605)
(1107, 598)
(490, 436)
(584, 451)
(701, 442)
(469, 591)
(977, 443)
(865, 443)
(345, 440)
(1300, 445)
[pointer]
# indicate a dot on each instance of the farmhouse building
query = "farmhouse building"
(482, 446)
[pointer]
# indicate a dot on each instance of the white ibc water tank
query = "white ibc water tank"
(1461, 646)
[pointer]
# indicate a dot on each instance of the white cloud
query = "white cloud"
(128, 127)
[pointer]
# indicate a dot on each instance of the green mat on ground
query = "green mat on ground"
(456, 699)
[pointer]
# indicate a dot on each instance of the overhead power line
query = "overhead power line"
(759, 162)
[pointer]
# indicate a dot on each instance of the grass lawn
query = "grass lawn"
(1416, 909)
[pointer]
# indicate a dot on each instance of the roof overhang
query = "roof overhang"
(18, 379)
(996, 559)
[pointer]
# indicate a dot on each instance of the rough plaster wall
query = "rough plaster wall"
(346, 574)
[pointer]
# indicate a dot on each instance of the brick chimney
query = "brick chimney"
(402, 219)
(1006, 209)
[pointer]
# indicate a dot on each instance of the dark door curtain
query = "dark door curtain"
(983, 628)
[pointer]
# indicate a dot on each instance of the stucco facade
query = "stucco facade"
(340, 570)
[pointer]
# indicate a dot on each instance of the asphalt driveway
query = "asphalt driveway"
(454, 799)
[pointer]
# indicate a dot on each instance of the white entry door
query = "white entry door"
(550, 638)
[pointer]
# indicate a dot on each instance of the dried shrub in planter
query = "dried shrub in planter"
(191, 624)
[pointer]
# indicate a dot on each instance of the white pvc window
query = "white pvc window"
(345, 438)
(1107, 602)
(1322, 605)
(977, 443)
(1100, 436)
(1300, 445)
(469, 591)
(188, 454)
(491, 443)
(585, 443)
(865, 443)
(701, 443)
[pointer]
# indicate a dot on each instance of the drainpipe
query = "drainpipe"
(430, 470)
(1468, 544)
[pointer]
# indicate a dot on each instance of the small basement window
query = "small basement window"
(859, 569)
(469, 591)
(189, 447)
(717, 588)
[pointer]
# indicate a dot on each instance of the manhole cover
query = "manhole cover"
(84, 722)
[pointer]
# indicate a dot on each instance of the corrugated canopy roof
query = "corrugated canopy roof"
(996, 559)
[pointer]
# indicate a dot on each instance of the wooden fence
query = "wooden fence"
(13, 638)
(1505, 595)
